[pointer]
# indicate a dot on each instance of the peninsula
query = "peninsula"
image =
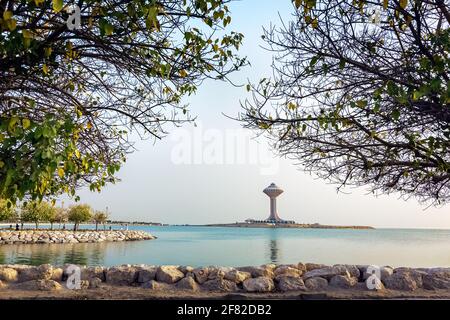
(285, 225)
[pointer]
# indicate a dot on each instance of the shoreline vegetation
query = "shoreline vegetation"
(270, 281)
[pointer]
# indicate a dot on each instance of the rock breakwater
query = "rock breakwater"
(66, 236)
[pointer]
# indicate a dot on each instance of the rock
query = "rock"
(344, 282)
(201, 274)
(216, 273)
(261, 271)
(237, 276)
(9, 274)
(154, 285)
(287, 271)
(405, 281)
(301, 267)
(42, 285)
(57, 274)
(168, 274)
(220, 285)
(146, 274)
(84, 284)
(327, 273)
(259, 284)
(288, 283)
(437, 280)
(42, 272)
(94, 283)
(121, 276)
(3, 285)
(316, 284)
(385, 272)
(186, 269)
(352, 269)
(314, 266)
(187, 283)
(88, 273)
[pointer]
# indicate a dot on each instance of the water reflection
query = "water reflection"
(274, 251)
(59, 254)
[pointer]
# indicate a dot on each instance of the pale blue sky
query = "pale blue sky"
(154, 188)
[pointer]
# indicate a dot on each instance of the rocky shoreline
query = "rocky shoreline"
(259, 281)
(66, 236)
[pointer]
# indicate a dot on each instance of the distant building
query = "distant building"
(272, 191)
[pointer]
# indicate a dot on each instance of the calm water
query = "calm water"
(182, 245)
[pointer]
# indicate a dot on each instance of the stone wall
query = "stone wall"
(66, 236)
(254, 279)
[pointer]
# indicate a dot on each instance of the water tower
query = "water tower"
(273, 191)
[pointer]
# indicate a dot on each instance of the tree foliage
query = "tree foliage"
(361, 94)
(7, 210)
(79, 213)
(99, 217)
(69, 98)
(37, 212)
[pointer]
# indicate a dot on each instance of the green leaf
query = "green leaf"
(26, 123)
(361, 103)
(57, 5)
(395, 114)
(109, 29)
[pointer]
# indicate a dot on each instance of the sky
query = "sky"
(215, 172)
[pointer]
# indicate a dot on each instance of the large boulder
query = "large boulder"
(353, 270)
(259, 284)
(188, 283)
(314, 266)
(405, 281)
(302, 267)
(316, 284)
(437, 280)
(9, 274)
(42, 272)
(217, 272)
(288, 283)
(57, 274)
(327, 272)
(42, 285)
(201, 274)
(261, 271)
(186, 269)
(146, 273)
(287, 271)
(122, 275)
(88, 273)
(343, 281)
(168, 274)
(95, 283)
(158, 286)
(220, 285)
(237, 276)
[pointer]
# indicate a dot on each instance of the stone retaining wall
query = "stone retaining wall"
(255, 279)
(66, 236)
